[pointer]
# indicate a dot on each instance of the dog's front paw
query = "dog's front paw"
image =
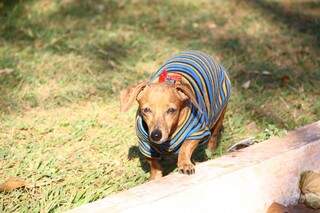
(155, 176)
(186, 168)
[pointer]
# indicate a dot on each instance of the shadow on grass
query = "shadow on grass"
(10, 13)
(134, 152)
(52, 34)
(10, 79)
(303, 16)
(168, 162)
(86, 10)
(8, 5)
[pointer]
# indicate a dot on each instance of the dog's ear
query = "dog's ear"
(127, 96)
(186, 94)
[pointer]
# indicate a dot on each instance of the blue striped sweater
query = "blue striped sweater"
(212, 88)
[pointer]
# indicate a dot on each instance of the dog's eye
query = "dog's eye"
(146, 110)
(171, 110)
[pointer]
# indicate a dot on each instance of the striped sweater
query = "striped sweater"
(212, 88)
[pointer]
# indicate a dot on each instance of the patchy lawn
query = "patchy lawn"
(63, 63)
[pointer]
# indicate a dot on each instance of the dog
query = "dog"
(181, 106)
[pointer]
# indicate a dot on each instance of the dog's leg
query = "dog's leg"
(155, 169)
(185, 165)
(212, 143)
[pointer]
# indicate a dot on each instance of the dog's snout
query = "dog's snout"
(156, 135)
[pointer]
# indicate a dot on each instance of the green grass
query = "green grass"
(68, 60)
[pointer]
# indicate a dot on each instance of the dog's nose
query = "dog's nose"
(156, 135)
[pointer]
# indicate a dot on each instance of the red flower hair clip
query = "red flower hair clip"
(172, 78)
(163, 76)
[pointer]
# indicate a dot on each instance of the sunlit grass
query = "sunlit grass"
(66, 61)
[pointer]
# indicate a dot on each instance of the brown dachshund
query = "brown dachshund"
(181, 105)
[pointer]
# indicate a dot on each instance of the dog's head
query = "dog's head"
(160, 105)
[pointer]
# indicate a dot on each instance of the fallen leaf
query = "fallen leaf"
(204, 39)
(12, 184)
(16, 183)
(100, 7)
(252, 128)
(241, 144)
(310, 182)
(121, 4)
(195, 25)
(310, 189)
(265, 72)
(285, 80)
(251, 125)
(5, 71)
(211, 25)
(246, 84)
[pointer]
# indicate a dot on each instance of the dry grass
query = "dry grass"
(68, 60)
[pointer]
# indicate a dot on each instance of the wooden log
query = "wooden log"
(248, 180)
